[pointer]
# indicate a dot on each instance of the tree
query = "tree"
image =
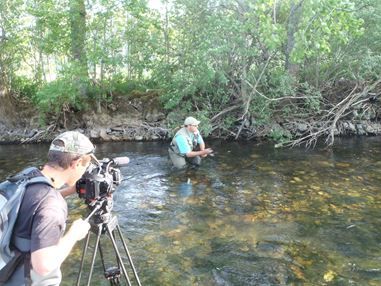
(78, 44)
(11, 46)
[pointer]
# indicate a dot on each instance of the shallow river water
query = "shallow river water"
(250, 215)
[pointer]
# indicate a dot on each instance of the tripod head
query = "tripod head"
(100, 211)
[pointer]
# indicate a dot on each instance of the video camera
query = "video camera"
(100, 179)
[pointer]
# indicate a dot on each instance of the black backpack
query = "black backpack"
(11, 195)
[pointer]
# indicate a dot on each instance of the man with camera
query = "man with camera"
(43, 212)
(187, 146)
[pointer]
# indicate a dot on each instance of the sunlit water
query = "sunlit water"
(251, 215)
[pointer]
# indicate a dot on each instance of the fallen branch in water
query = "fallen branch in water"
(327, 123)
(39, 134)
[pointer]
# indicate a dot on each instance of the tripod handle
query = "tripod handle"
(97, 207)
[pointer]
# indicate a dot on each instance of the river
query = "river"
(250, 215)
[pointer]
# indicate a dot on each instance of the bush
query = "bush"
(24, 87)
(57, 97)
(370, 66)
(279, 134)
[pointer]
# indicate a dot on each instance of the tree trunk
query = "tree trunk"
(292, 27)
(166, 33)
(78, 43)
(6, 106)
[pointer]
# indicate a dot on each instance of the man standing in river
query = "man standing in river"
(41, 220)
(187, 146)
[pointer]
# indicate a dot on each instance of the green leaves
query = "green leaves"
(323, 24)
(221, 59)
(57, 97)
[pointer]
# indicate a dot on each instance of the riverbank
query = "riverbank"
(137, 119)
(128, 129)
(142, 118)
(135, 131)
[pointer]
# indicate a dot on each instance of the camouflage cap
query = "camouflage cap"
(73, 142)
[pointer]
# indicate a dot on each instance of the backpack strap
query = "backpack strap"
(14, 191)
(23, 244)
(38, 180)
(23, 175)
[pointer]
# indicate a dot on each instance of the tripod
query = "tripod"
(103, 222)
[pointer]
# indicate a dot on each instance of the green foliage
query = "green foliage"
(229, 121)
(262, 109)
(49, 34)
(272, 33)
(24, 87)
(280, 83)
(324, 23)
(369, 66)
(12, 40)
(57, 95)
(313, 100)
(279, 134)
(123, 86)
(205, 56)
(62, 94)
(118, 85)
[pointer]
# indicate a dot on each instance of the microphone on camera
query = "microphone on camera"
(121, 161)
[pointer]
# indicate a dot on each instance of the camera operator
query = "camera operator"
(43, 212)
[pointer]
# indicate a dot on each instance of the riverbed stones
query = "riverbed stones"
(103, 135)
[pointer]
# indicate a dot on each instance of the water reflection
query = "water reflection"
(252, 215)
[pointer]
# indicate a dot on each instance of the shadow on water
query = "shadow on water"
(251, 215)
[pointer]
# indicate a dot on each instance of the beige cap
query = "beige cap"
(191, 121)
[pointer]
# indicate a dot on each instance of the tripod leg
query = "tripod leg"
(128, 254)
(111, 234)
(83, 257)
(102, 259)
(94, 254)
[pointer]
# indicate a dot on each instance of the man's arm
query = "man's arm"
(67, 191)
(47, 259)
(202, 153)
(185, 149)
(202, 147)
(201, 143)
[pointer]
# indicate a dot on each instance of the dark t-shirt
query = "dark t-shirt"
(42, 216)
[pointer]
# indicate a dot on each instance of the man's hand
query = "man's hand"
(207, 151)
(79, 229)
(202, 153)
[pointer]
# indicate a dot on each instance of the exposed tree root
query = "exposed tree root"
(326, 123)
